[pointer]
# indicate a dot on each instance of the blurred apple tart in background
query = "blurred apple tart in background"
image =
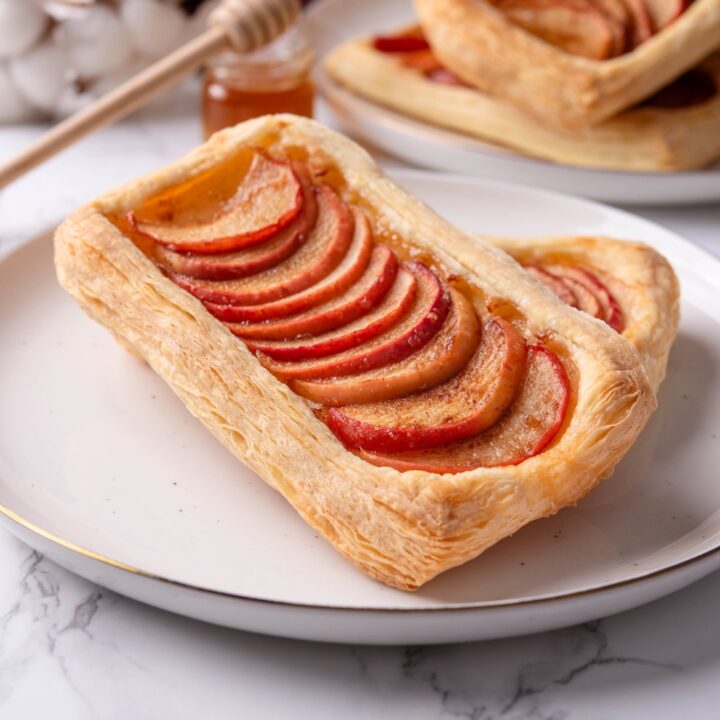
(614, 84)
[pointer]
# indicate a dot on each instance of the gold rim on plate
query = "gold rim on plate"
(17, 519)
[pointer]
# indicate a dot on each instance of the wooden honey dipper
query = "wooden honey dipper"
(241, 25)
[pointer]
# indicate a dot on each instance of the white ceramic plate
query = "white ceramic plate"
(103, 469)
(333, 21)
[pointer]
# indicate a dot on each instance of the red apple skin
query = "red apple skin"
(228, 243)
(251, 260)
(432, 306)
(580, 278)
(642, 26)
(324, 249)
(395, 305)
(564, 381)
(587, 299)
(230, 266)
(611, 308)
(434, 363)
(476, 451)
(554, 284)
(468, 403)
(400, 43)
(342, 277)
(358, 300)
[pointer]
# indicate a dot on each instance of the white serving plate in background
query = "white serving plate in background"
(331, 22)
(103, 470)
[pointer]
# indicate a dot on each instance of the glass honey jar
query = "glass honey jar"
(276, 78)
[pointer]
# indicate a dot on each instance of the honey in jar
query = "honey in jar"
(273, 79)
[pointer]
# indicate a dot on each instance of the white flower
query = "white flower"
(40, 75)
(156, 28)
(14, 108)
(21, 24)
(96, 42)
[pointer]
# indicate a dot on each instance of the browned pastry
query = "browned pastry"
(402, 528)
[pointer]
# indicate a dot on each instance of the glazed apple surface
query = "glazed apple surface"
(269, 197)
(408, 367)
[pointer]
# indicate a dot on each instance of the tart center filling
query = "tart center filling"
(409, 369)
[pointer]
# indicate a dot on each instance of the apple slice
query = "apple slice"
(642, 24)
(620, 22)
(665, 12)
(609, 309)
(422, 60)
(612, 314)
(395, 305)
(400, 43)
(462, 407)
(229, 266)
(345, 274)
(441, 358)
(527, 429)
(576, 26)
(356, 301)
(251, 260)
(554, 284)
(423, 320)
(587, 300)
(269, 197)
(325, 247)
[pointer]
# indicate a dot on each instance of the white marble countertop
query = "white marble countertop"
(71, 650)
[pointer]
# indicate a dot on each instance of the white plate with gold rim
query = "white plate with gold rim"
(103, 469)
(331, 22)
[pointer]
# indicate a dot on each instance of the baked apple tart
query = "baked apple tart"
(677, 128)
(412, 391)
(571, 64)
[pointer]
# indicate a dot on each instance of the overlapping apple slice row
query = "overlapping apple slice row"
(404, 370)
(414, 51)
(580, 288)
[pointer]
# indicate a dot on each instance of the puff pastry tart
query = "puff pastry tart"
(627, 284)
(411, 391)
(571, 64)
(676, 129)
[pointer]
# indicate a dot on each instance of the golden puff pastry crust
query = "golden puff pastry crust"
(640, 279)
(646, 138)
(476, 41)
(400, 528)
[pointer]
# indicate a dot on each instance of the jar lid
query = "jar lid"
(289, 55)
